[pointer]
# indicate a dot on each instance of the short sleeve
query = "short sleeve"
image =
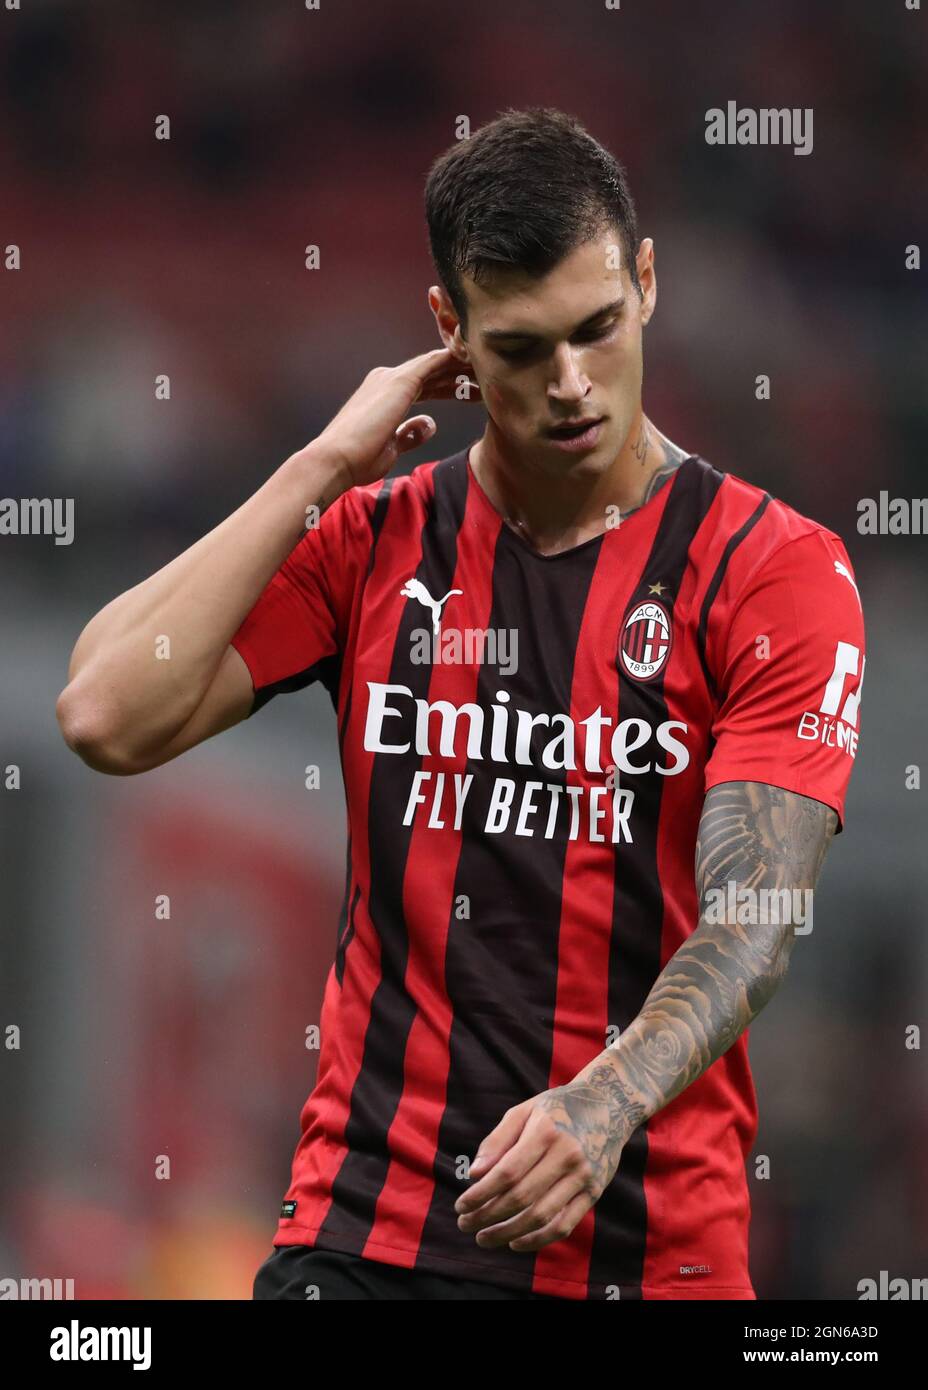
(790, 674)
(290, 637)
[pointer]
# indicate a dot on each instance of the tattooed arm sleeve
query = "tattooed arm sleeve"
(752, 836)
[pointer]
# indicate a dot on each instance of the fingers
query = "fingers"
(557, 1229)
(459, 387)
(426, 364)
(543, 1220)
(414, 432)
(513, 1147)
(549, 1184)
(451, 382)
(536, 1191)
(442, 376)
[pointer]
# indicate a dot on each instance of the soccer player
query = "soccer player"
(597, 706)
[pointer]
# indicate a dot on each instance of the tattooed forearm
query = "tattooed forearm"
(751, 836)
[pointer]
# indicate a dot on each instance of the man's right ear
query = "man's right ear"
(447, 322)
(458, 345)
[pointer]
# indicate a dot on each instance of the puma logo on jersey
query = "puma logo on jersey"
(414, 588)
(843, 569)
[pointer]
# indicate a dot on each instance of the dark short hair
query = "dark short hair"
(522, 193)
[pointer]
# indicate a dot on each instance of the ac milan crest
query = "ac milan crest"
(645, 640)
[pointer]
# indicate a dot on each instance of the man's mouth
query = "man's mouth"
(571, 431)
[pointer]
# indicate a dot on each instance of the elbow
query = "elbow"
(89, 733)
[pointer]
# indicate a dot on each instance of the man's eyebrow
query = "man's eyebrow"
(493, 334)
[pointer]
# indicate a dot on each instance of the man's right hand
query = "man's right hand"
(371, 430)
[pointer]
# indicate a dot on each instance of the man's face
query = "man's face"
(567, 347)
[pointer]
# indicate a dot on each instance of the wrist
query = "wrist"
(322, 475)
(608, 1076)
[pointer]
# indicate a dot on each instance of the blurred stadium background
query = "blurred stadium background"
(290, 127)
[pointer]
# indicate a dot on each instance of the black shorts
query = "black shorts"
(289, 1269)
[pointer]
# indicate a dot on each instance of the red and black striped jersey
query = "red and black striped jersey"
(526, 743)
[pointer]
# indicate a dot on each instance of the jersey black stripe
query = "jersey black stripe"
(620, 1230)
(346, 918)
(326, 670)
(507, 949)
(378, 517)
(379, 1084)
(716, 583)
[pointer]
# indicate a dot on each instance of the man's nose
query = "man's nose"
(569, 382)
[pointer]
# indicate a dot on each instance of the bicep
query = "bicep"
(758, 854)
(761, 836)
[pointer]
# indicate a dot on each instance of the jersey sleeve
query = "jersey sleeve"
(790, 675)
(294, 634)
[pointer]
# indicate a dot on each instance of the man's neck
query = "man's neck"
(554, 514)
